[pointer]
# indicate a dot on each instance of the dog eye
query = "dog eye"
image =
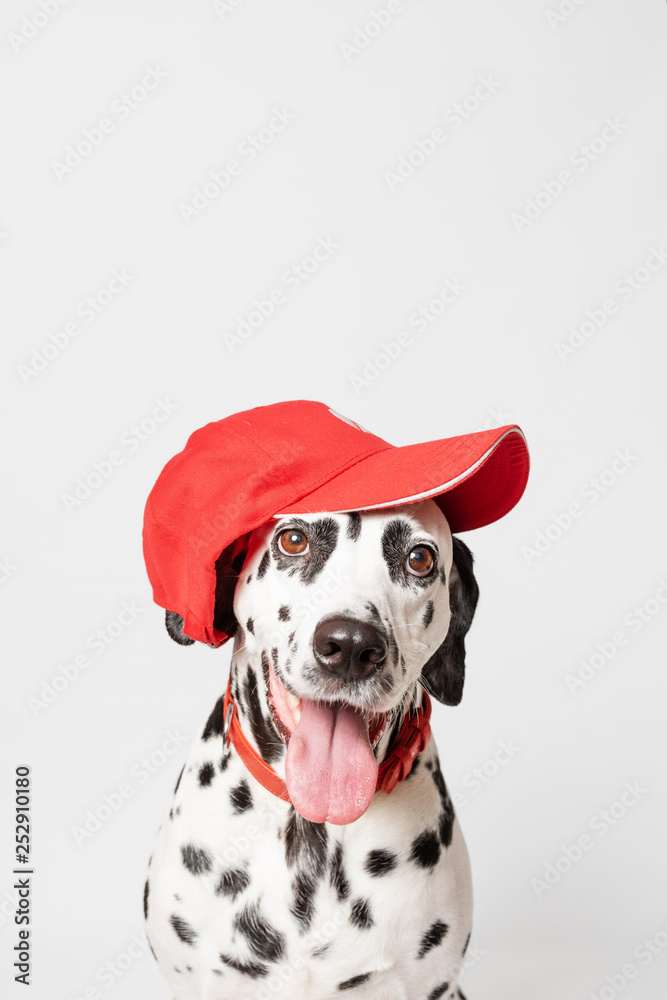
(420, 562)
(292, 543)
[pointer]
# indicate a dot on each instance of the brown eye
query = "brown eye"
(420, 562)
(292, 542)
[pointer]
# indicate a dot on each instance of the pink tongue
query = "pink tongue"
(330, 770)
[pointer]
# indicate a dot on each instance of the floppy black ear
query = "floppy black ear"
(227, 568)
(444, 673)
(174, 625)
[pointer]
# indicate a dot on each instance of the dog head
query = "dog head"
(342, 615)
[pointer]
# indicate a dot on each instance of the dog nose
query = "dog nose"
(349, 648)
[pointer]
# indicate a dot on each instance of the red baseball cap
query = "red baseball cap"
(301, 457)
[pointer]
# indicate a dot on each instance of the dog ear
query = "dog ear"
(174, 625)
(227, 569)
(444, 673)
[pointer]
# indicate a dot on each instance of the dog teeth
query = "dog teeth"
(297, 715)
(292, 699)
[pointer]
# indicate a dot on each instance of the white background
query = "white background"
(491, 357)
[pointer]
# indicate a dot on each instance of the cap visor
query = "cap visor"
(475, 479)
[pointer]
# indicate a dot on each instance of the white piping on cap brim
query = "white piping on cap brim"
(428, 493)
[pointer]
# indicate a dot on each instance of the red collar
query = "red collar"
(412, 737)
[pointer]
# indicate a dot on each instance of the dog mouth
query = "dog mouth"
(330, 769)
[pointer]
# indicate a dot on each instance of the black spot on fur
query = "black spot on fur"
(241, 797)
(248, 578)
(250, 625)
(349, 984)
(290, 637)
(321, 950)
(426, 849)
(224, 761)
(447, 815)
(274, 656)
(438, 992)
(372, 608)
(183, 929)
(443, 576)
(264, 565)
(252, 969)
(146, 900)
(322, 536)
(263, 938)
(195, 859)
(396, 539)
(305, 843)
(465, 946)
(284, 613)
(427, 617)
(178, 780)
(337, 874)
(380, 862)
(232, 882)
(360, 914)
(433, 936)
(265, 733)
(353, 525)
(216, 721)
(206, 774)
(303, 887)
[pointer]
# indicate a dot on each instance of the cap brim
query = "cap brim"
(475, 479)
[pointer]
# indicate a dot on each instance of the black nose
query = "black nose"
(349, 648)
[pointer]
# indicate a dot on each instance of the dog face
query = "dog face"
(350, 608)
(337, 617)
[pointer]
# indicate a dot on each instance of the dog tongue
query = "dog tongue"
(330, 770)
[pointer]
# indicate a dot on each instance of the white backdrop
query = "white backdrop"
(169, 169)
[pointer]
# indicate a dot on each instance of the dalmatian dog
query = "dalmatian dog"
(340, 622)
